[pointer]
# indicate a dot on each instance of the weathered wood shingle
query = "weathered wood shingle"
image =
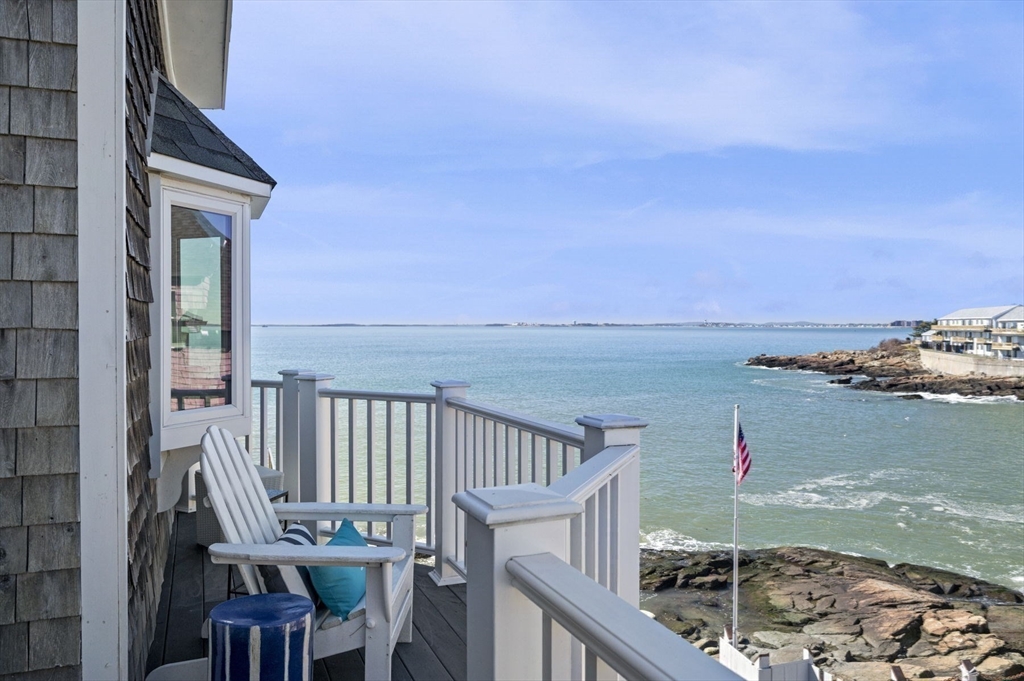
(14, 19)
(56, 211)
(52, 67)
(16, 311)
(14, 643)
(8, 452)
(6, 243)
(47, 451)
(40, 20)
(51, 162)
(53, 547)
(13, 550)
(54, 642)
(5, 110)
(16, 214)
(17, 404)
(13, 62)
(10, 502)
(50, 594)
(45, 257)
(49, 499)
(47, 353)
(54, 305)
(43, 113)
(57, 402)
(12, 159)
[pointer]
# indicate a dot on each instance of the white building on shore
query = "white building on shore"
(996, 332)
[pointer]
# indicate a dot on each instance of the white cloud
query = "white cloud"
(661, 77)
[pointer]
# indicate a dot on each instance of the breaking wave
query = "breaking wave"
(667, 540)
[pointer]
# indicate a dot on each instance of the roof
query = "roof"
(1016, 314)
(181, 131)
(979, 312)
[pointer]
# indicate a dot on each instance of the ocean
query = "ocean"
(937, 482)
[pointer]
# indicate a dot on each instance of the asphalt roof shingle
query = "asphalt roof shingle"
(181, 131)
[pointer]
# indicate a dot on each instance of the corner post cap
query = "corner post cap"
(610, 421)
(515, 505)
(450, 383)
(313, 376)
(294, 372)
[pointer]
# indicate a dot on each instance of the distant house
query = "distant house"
(985, 331)
(124, 218)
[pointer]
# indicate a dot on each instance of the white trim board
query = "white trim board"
(194, 173)
(103, 469)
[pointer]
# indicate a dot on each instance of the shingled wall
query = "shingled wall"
(148, 531)
(40, 598)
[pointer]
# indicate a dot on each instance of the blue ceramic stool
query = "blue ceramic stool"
(267, 637)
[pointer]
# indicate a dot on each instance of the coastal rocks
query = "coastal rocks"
(893, 367)
(857, 616)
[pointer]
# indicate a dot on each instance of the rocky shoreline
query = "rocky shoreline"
(893, 367)
(858, 616)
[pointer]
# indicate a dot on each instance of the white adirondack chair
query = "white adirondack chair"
(251, 524)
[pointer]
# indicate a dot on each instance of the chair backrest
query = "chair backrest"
(238, 497)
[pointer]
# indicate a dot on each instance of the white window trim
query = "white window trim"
(184, 429)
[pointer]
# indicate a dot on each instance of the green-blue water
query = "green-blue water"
(936, 482)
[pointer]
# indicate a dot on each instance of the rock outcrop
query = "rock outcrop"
(857, 616)
(892, 367)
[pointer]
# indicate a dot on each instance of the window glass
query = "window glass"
(200, 309)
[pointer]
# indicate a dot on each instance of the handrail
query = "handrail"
(378, 396)
(548, 429)
(581, 482)
(627, 640)
(267, 383)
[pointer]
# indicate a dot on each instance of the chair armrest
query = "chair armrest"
(289, 554)
(308, 510)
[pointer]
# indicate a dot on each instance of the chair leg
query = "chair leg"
(377, 655)
(405, 633)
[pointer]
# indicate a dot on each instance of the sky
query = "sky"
(488, 162)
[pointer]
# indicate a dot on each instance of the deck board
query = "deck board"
(193, 586)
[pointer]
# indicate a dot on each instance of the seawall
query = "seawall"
(964, 365)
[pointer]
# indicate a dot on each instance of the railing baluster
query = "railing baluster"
(410, 470)
(279, 413)
(508, 455)
(389, 453)
(351, 451)
(551, 472)
(613, 535)
(334, 452)
(479, 473)
(370, 476)
(534, 454)
(428, 474)
(602, 536)
(263, 426)
(496, 465)
(521, 453)
(589, 538)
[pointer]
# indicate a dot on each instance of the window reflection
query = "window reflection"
(200, 309)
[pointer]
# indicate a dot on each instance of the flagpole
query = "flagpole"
(735, 523)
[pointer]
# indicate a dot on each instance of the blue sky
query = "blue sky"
(631, 162)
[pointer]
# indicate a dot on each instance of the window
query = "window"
(200, 309)
(200, 317)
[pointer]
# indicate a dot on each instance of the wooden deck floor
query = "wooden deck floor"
(193, 586)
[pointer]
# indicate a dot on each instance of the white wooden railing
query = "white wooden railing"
(553, 578)
(541, 519)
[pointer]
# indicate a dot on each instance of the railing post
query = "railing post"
(314, 439)
(445, 534)
(503, 628)
(599, 432)
(288, 456)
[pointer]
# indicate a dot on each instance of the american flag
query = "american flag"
(740, 456)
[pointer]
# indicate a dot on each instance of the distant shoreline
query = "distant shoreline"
(588, 325)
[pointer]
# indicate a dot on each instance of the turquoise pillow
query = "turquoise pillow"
(340, 588)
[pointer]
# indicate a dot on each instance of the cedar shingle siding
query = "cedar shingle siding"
(40, 599)
(148, 531)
